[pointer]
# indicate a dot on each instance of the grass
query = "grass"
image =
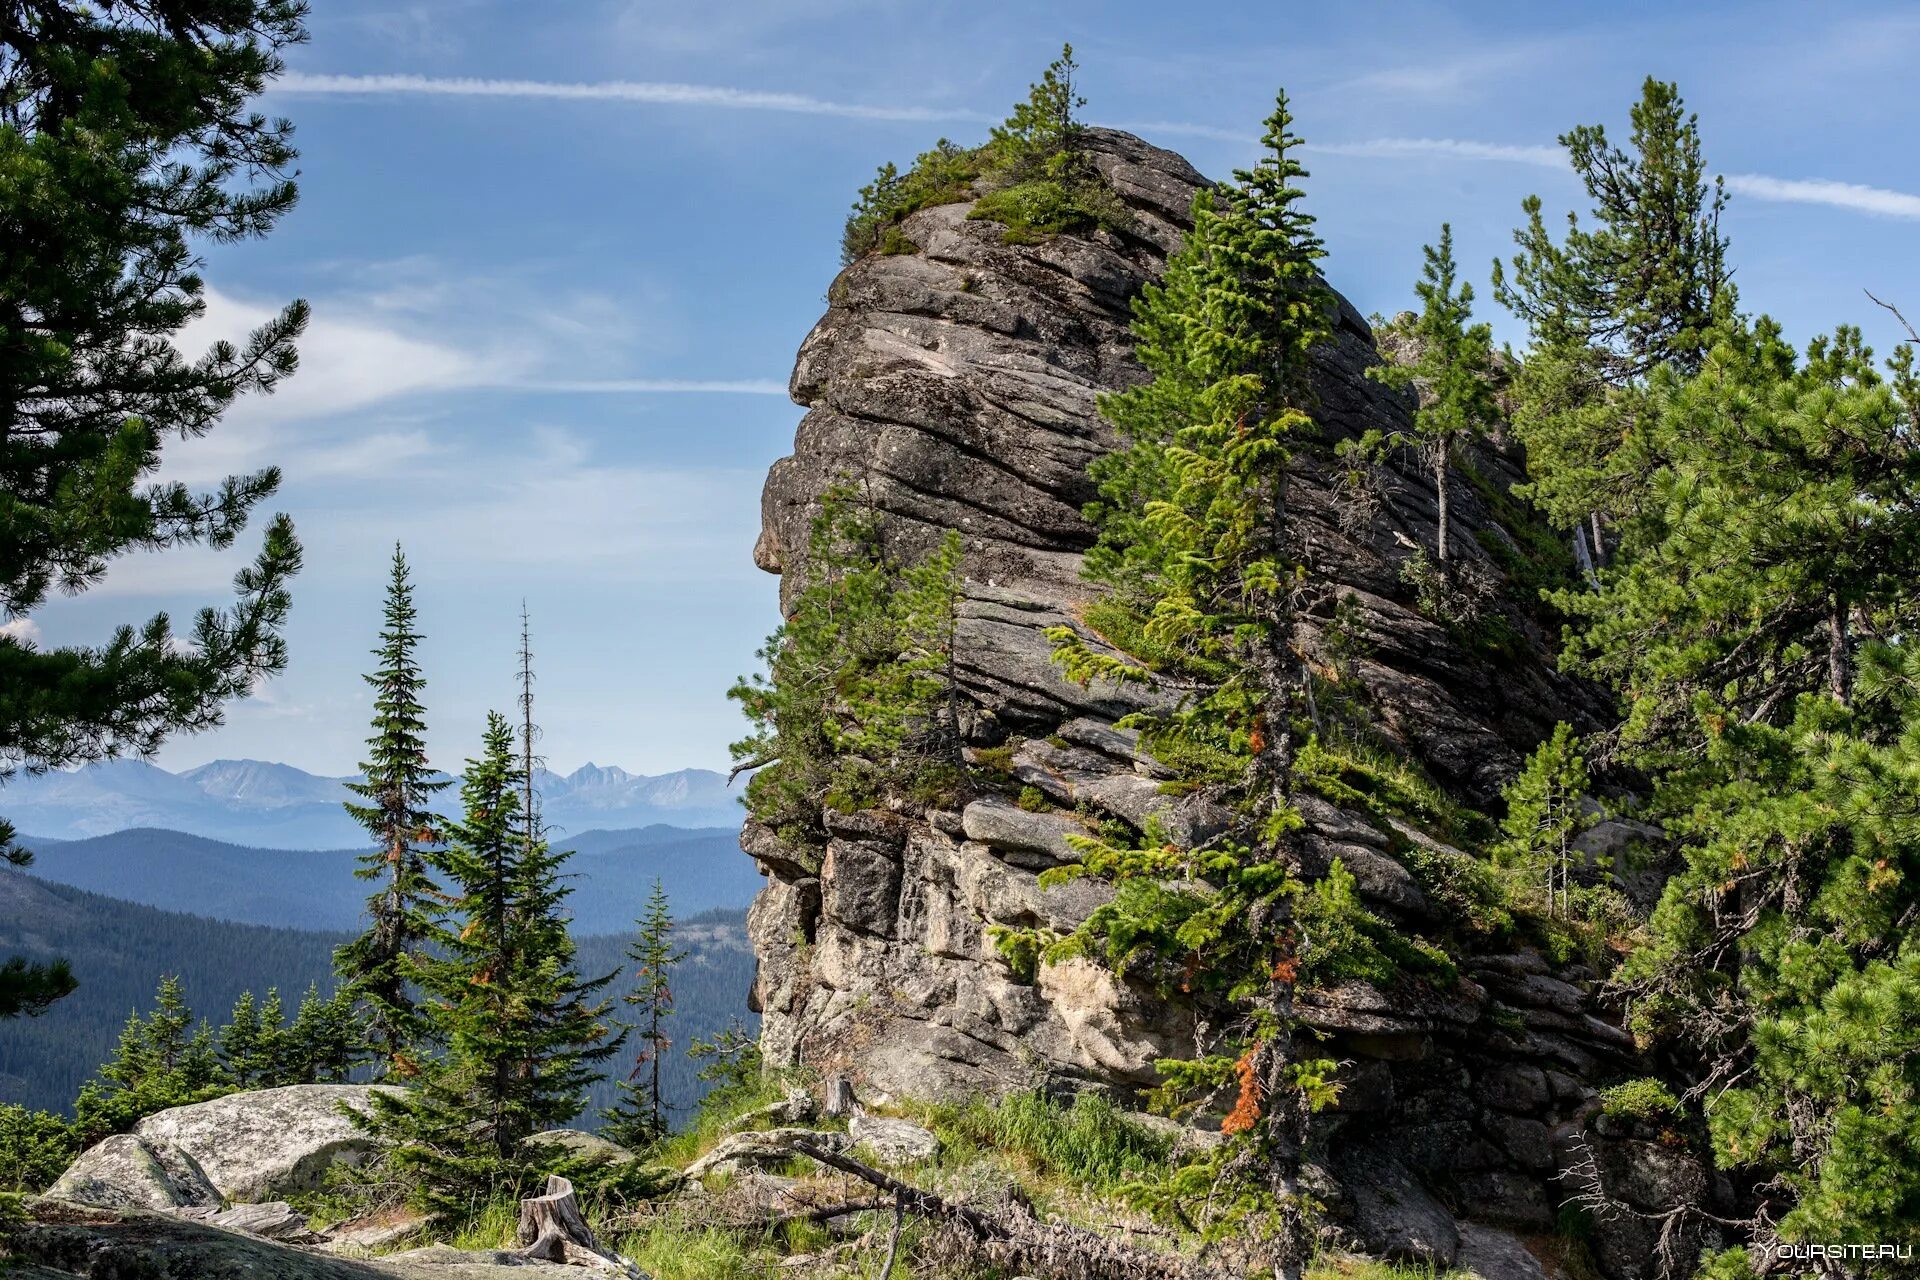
(1341, 1267)
(1089, 1142)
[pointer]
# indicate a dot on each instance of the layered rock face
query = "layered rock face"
(959, 385)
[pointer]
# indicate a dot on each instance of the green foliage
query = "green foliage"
(398, 789)
(1341, 940)
(640, 1118)
(127, 140)
(1451, 372)
(855, 703)
(522, 1031)
(162, 1061)
(1641, 1099)
(1086, 1141)
(1643, 286)
(1547, 809)
(35, 1148)
(1030, 176)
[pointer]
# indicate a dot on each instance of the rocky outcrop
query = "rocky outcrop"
(268, 1142)
(960, 384)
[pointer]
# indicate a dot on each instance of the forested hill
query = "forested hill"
(612, 872)
(120, 950)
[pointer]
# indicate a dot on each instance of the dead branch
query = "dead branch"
(1014, 1240)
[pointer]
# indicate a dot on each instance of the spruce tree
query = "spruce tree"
(1196, 541)
(639, 1119)
(398, 789)
(323, 1042)
(522, 1029)
(1451, 372)
(127, 141)
(161, 1061)
(249, 1043)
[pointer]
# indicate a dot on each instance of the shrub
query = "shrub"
(35, 1148)
(1641, 1099)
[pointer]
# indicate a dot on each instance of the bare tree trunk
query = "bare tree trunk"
(1838, 677)
(1440, 488)
(1599, 541)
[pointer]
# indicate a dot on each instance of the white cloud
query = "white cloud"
(25, 630)
(1838, 195)
(663, 386)
(654, 92)
(1455, 148)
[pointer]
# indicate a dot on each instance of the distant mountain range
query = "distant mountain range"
(611, 874)
(261, 804)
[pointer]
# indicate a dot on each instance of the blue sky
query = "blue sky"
(560, 257)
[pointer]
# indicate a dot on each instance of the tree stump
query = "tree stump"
(552, 1229)
(839, 1097)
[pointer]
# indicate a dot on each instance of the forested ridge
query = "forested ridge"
(121, 950)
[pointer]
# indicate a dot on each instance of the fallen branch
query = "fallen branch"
(1015, 1240)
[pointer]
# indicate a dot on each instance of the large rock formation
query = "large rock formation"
(960, 384)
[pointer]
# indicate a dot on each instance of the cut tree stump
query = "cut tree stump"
(552, 1229)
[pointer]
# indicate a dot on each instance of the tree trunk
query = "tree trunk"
(1838, 676)
(1599, 541)
(1440, 489)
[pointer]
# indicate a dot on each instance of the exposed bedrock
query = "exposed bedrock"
(959, 384)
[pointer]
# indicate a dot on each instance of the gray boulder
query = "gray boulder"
(1033, 840)
(1487, 1253)
(577, 1145)
(1392, 1215)
(269, 1142)
(129, 1172)
(894, 1141)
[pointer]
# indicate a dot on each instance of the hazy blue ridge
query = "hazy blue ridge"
(267, 805)
(120, 949)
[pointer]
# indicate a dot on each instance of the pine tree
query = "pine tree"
(161, 1061)
(126, 137)
(521, 1028)
(398, 789)
(1547, 809)
(249, 1043)
(639, 1120)
(1643, 286)
(1451, 372)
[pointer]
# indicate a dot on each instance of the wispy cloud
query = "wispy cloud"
(664, 93)
(1455, 148)
(25, 630)
(1838, 195)
(656, 386)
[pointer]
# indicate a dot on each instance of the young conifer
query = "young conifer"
(639, 1119)
(1451, 372)
(397, 792)
(521, 1029)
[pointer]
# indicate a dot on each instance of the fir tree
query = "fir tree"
(324, 1041)
(250, 1042)
(1546, 812)
(126, 139)
(1196, 541)
(161, 1061)
(521, 1028)
(639, 1120)
(398, 789)
(1451, 372)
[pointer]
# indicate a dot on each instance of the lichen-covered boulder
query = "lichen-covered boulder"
(129, 1172)
(268, 1143)
(893, 1141)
